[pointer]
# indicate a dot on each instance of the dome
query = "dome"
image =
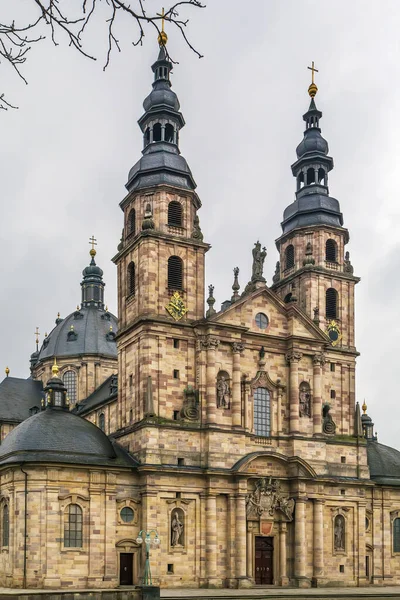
(92, 270)
(85, 331)
(312, 209)
(161, 95)
(60, 436)
(384, 463)
(312, 142)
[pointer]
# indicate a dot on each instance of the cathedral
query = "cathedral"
(231, 438)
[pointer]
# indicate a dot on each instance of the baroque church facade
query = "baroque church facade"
(233, 436)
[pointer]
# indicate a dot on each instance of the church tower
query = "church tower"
(314, 270)
(160, 259)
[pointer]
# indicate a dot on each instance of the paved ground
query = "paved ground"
(285, 593)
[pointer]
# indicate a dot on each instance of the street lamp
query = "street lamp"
(146, 579)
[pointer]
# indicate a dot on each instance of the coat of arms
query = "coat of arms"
(267, 498)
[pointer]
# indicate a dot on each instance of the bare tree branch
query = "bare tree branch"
(70, 19)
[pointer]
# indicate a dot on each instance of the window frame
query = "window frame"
(290, 247)
(262, 421)
(396, 534)
(67, 522)
(66, 373)
(172, 275)
(5, 526)
(131, 279)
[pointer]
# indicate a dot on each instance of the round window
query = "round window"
(127, 514)
(262, 321)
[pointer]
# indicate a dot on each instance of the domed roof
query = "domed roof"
(384, 463)
(161, 95)
(59, 436)
(312, 142)
(85, 331)
(312, 209)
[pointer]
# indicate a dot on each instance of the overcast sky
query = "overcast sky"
(65, 155)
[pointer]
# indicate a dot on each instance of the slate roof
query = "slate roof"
(17, 396)
(55, 435)
(384, 463)
(108, 390)
(91, 329)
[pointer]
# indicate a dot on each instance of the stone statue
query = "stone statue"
(222, 392)
(258, 262)
(197, 233)
(348, 267)
(148, 222)
(176, 529)
(339, 533)
(277, 275)
(304, 400)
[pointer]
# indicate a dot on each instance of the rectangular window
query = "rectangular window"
(181, 462)
(176, 373)
(396, 535)
(170, 568)
(130, 381)
(176, 415)
(333, 367)
(333, 394)
(176, 343)
(262, 412)
(341, 568)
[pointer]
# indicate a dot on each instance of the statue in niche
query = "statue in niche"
(223, 392)
(339, 533)
(177, 526)
(305, 400)
(258, 262)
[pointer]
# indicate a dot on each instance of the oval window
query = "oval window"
(127, 514)
(262, 321)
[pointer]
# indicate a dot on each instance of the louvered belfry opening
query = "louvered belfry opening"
(331, 299)
(131, 279)
(175, 273)
(175, 213)
(132, 221)
(289, 257)
(331, 251)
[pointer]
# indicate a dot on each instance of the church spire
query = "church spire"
(162, 162)
(92, 283)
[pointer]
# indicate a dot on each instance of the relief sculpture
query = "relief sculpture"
(268, 498)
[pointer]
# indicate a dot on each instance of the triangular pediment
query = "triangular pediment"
(284, 320)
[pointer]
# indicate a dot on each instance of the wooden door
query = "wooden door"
(126, 569)
(264, 561)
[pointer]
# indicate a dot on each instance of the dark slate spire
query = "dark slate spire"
(162, 162)
(93, 284)
(313, 204)
(55, 391)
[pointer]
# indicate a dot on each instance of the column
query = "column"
(246, 392)
(211, 343)
(300, 542)
(319, 361)
(360, 542)
(293, 359)
(241, 563)
(283, 578)
(279, 410)
(211, 538)
(318, 541)
(237, 348)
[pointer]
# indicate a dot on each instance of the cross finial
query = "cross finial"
(162, 37)
(92, 241)
(312, 88)
(37, 338)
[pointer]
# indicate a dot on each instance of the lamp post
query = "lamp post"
(145, 536)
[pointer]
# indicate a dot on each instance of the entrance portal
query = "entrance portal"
(126, 568)
(264, 555)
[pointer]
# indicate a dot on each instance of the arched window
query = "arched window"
(131, 289)
(175, 213)
(396, 535)
(289, 257)
(147, 136)
(157, 132)
(262, 412)
(132, 222)
(310, 176)
(175, 273)
(169, 133)
(102, 422)
(321, 176)
(69, 379)
(331, 251)
(331, 303)
(73, 526)
(6, 525)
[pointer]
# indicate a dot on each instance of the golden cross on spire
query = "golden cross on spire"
(92, 241)
(162, 36)
(313, 70)
(37, 338)
(312, 88)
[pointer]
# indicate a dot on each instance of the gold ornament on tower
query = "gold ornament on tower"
(312, 88)
(176, 307)
(162, 36)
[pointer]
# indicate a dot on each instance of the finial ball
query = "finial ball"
(312, 90)
(162, 38)
(7, 371)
